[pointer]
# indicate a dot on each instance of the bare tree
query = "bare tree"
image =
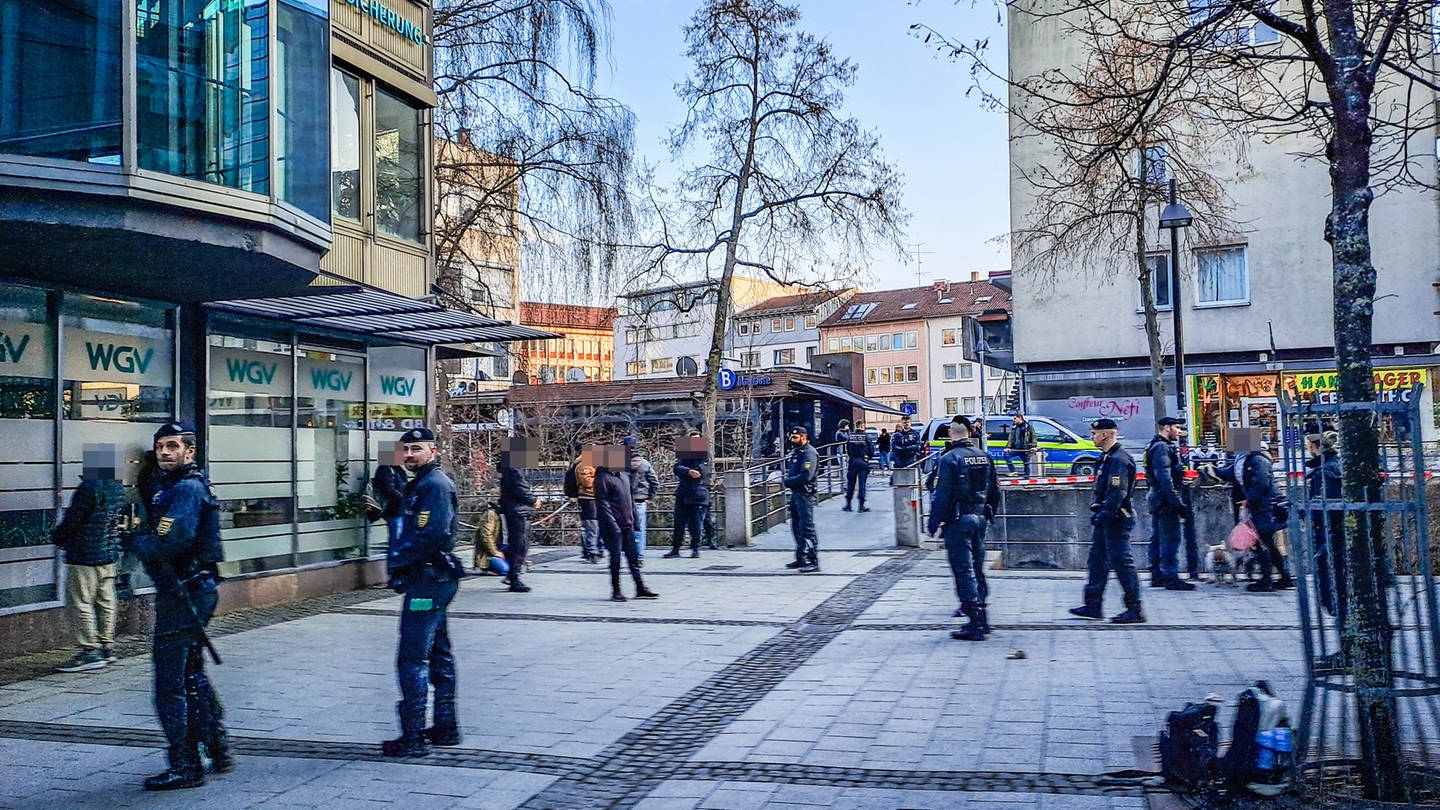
(789, 188)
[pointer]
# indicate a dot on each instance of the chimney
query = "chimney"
(462, 136)
(974, 275)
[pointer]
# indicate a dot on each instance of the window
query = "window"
(810, 321)
(949, 337)
(967, 371)
(1262, 34)
(857, 311)
(1159, 279)
(909, 306)
(118, 361)
(898, 374)
(912, 340)
(872, 343)
(663, 365)
(885, 375)
(846, 344)
(774, 325)
(950, 371)
(1222, 276)
(635, 368)
(971, 405)
(302, 70)
(399, 195)
(790, 324)
(832, 344)
(883, 341)
(952, 406)
(1153, 164)
(809, 354)
(743, 327)
(897, 341)
(784, 357)
(750, 359)
(871, 376)
(912, 373)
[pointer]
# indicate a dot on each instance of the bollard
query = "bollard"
(737, 508)
(906, 491)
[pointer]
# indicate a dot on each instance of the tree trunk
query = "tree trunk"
(1366, 638)
(1152, 318)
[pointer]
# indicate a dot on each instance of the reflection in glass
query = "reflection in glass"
(60, 79)
(345, 144)
(302, 68)
(119, 361)
(397, 167)
(331, 451)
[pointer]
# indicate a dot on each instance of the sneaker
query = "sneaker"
(694, 555)
(1090, 612)
(1177, 584)
(646, 593)
(1130, 616)
(618, 597)
(1263, 586)
(793, 565)
(519, 587)
(671, 555)
(810, 568)
(969, 632)
(109, 655)
(84, 661)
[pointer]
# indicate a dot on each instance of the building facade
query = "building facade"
(583, 352)
(1080, 335)
(783, 331)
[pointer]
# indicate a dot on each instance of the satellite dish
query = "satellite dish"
(520, 378)
(687, 367)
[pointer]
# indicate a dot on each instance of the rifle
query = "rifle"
(190, 610)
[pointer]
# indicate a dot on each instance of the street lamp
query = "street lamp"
(1174, 217)
(981, 347)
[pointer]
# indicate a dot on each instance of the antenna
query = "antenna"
(918, 254)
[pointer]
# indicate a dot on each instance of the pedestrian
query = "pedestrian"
(966, 497)
(801, 470)
(1323, 484)
(517, 504)
(645, 484)
(1112, 518)
(1166, 476)
(426, 573)
(882, 446)
(615, 504)
(692, 493)
(389, 486)
(906, 444)
(180, 549)
(842, 431)
(89, 535)
(1020, 444)
(858, 453)
(580, 488)
(1254, 475)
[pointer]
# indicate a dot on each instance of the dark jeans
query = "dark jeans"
(856, 474)
(1331, 563)
(178, 658)
(1110, 551)
(1023, 455)
(965, 545)
(423, 659)
(905, 459)
(688, 517)
(1164, 541)
(619, 539)
(802, 527)
(1187, 531)
(1267, 553)
(517, 543)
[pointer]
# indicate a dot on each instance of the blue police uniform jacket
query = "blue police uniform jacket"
(858, 449)
(802, 468)
(1165, 474)
(1114, 483)
(430, 514)
(184, 528)
(906, 442)
(967, 485)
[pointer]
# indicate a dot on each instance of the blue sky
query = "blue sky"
(952, 153)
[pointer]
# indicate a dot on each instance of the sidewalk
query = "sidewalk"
(744, 685)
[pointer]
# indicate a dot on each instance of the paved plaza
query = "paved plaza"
(743, 686)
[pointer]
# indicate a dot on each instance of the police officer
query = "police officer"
(966, 496)
(801, 469)
(1113, 519)
(905, 443)
(1167, 505)
(180, 548)
(424, 570)
(858, 452)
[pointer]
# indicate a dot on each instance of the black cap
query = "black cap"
(1169, 420)
(799, 431)
(420, 434)
(961, 420)
(1104, 424)
(173, 429)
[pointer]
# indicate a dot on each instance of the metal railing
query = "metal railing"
(769, 498)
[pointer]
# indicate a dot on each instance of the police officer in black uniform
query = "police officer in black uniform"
(905, 443)
(1167, 505)
(966, 497)
(1113, 518)
(180, 548)
(423, 568)
(858, 452)
(801, 470)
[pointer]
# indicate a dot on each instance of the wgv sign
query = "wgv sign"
(247, 372)
(119, 357)
(325, 378)
(25, 350)
(105, 357)
(397, 386)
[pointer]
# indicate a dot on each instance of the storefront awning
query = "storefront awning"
(379, 314)
(845, 395)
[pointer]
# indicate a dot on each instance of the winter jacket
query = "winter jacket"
(389, 485)
(692, 491)
(1322, 475)
(90, 531)
(643, 480)
(580, 481)
(1022, 437)
(884, 442)
(1165, 476)
(614, 498)
(515, 495)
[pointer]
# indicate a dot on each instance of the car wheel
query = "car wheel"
(1083, 467)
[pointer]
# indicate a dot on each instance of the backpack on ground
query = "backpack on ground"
(1261, 743)
(1189, 744)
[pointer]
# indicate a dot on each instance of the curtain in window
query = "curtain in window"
(1221, 274)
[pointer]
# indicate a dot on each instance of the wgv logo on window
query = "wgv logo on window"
(397, 386)
(11, 351)
(251, 371)
(118, 357)
(330, 379)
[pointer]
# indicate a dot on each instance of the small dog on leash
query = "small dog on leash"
(1220, 562)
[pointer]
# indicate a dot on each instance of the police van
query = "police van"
(1066, 453)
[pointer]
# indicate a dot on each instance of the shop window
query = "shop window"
(1159, 279)
(60, 80)
(202, 75)
(399, 190)
(330, 450)
(1222, 276)
(119, 361)
(345, 145)
(27, 456)
(302, 73)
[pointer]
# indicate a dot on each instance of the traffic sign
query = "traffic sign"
(909, 407)
(727, 379)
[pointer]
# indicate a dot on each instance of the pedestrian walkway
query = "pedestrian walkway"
(744, 685)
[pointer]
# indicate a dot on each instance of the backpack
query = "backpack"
(1189, 744)
(1255, 760)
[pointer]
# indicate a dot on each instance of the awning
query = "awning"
(845, 395)
(376, 313)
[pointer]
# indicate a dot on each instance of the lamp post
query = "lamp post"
(1174, 217)
(981, 347)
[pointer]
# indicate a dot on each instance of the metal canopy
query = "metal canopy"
(377, 313)
(846, 396)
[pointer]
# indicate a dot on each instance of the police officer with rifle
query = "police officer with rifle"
(966, 497)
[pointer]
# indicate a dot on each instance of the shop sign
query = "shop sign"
(385, 16)
(396, 385)
(249, 372)
(107, 357)
(24, 350)
(385, 416)
(1391, 385)
(322, 378)
(1117, 408)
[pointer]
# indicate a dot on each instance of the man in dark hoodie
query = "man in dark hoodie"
(692, 493)
(615, 504)
(90, 537)
(517, 504)
(389, 486)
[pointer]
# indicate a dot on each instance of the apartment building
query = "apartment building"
(783, 331)
(583, 352)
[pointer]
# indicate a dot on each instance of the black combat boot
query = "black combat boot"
(184, 770)
(443, 734)
(982, 617)
(408, 744)
(971, 631)
(642, 592)
(1090, 611)
(863, 507)
(1132, 615)
(846, 508)
(516, 586)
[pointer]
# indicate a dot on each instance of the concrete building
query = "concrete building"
(667, 331)
(1080, 336)
(913, 341)
(217, 213)
(782, 331)
(583, 352)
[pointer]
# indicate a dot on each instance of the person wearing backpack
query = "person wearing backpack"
(89, 535)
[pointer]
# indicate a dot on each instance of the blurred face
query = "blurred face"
(692, 446)
(1102, 438)
(612, 457)
(172, 452)
(520, 453)
(390, 454)
(415, 455)
(592, 455)
(101, 461)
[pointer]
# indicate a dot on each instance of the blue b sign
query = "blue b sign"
(909, 407)
(727, 379)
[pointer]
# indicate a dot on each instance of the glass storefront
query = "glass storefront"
(27, 456)
(302, 126)
(345, 145)
(330, 451)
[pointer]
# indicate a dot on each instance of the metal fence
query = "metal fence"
(769, 498)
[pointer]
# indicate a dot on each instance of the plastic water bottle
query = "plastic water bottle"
(1265, 750)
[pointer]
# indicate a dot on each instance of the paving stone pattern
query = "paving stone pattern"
(744, 686)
